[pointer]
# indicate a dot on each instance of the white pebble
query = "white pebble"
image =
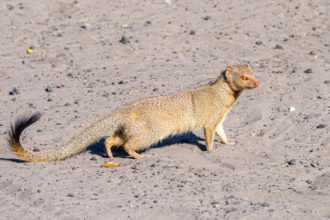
(292, 109)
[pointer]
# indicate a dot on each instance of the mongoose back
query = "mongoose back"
(147, 121)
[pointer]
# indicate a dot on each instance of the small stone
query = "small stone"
(327, 82)
(10, 7)
(311, 53)
(309, 181)
(155, 89)
(69, 75)
(39, 130)
(35, 149)
(259, 42)
(48, 89)
(76, 101)
(94, 158)
(121, 82)
(147, 23)
(38, 191)
(84, 25)
(16, 90)
(313, 187)
(292, 162)
(124, 40)
(206, 18)
(265, 204)
(70, 195)
(215, 204)
(192, 32)
(274, 118)
(292, 109)
(277, 46)
(309, 70)
(231, 209)
(321, 126)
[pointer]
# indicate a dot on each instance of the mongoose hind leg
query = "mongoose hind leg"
(131, 146)
(222, 135)
(209, 136)
(109, 142)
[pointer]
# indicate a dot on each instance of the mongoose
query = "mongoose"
(149, 120)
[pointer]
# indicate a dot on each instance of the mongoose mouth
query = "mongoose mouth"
(256, 84)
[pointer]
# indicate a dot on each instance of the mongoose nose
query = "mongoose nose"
(256, 84)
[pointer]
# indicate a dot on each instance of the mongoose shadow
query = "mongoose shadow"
(98, 148)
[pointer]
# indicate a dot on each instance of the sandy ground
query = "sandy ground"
(169, 46)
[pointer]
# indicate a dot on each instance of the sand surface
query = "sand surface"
(168, 46)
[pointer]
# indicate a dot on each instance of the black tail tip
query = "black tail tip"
(20, 124)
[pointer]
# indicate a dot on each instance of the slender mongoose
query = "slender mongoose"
(149, 120)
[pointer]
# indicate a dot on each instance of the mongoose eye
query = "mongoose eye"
(244, 78)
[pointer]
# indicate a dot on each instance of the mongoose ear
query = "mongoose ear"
(228, 72)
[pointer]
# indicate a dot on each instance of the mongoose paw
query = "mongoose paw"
(230, 143)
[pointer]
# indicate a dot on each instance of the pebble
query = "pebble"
(292, 109)
(277, 46)
(327, 82)
(309, 70)
(94, 158)
(215, 204)
(14, 91)
(292, 162)
(10, 7)
(265, 204)
(231, 209)
(124, 40)
(259, 42)
(147, 23)
(311, 53)
(192, 32)
(35, 149)
(48, 89)
(155, 89)
(309, 181)
(206, 18)
(321, 126)
(121, 82)
(313, 187)
(84, 25)
(70, 195)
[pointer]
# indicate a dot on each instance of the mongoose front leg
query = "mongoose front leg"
(209, 136)
(222, 135)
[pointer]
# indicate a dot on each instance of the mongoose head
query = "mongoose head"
(240, 77)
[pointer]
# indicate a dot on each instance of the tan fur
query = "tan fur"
(147, 121)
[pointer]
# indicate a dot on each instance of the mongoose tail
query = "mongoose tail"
(74, 146)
